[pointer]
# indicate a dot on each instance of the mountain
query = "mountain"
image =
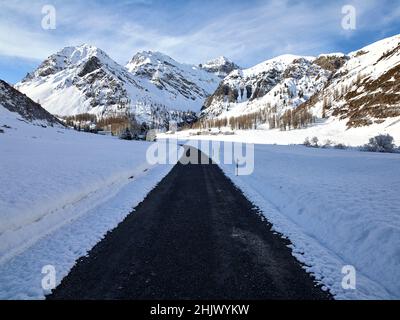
(366, 90)
(354, 90)
(153, 87)
(179, 86)
(79, 80)
(16, 102)
(357, 89)
(221, 66)
(278, 84)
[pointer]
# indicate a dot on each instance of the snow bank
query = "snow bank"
(60, 192)
(338, 208)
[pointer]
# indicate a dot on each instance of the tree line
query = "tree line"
(290, 119)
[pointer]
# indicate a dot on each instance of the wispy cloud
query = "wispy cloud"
(192, 31)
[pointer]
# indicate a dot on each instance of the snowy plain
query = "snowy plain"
(60, 192)
(329, 129)
(338, 208)
(59, 196)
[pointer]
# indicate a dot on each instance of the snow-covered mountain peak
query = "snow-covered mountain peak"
(286, 59)
(187, 86)
(333, 55)
(71, 57)
(153, 64)
(220, 66)
(279, 63)
(221, 60)
(79, 79)
(153, 86)
(78, 54)
(149, 58)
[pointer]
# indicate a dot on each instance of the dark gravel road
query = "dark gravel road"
(195, 236)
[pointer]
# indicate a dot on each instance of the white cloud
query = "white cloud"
(258, 31)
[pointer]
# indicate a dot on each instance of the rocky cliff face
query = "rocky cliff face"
(221, 67)
(181, 86)
(280, 83)
(360, 89)
(365, 90)
(15, 101)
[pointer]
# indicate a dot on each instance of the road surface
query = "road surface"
(195, 236)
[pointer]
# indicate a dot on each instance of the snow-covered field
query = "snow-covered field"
(60, 192)
(330, 129)
(338, 208)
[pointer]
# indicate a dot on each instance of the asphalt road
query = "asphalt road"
(195, 236)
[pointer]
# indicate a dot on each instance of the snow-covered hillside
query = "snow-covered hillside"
(85, 79)
(179, 86)
(60, 192)
(332, 95)
(277, 84)
(366, 89)
(27, 110)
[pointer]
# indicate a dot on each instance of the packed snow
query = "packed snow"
(338, 208)
(60, 192)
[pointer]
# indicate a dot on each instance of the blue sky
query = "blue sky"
(192, 31)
